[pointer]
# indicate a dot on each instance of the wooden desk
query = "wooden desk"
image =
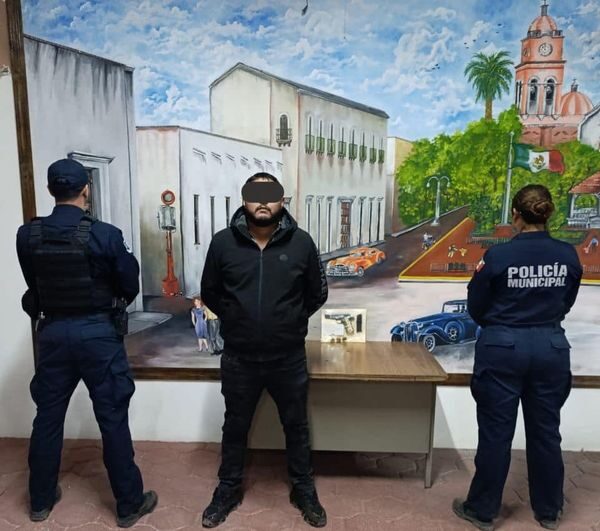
(373, 397)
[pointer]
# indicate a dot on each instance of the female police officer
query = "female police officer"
(519, 294)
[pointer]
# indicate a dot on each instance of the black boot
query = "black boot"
(225, 500)
(458, 506)
(307, 501)
(40, 516)
(148, 504)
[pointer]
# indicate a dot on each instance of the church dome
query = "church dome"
(575, 102)
(543, 25)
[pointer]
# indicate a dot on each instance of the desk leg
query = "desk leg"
(429, 460)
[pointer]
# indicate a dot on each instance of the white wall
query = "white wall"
(589, 130)
(82, 103)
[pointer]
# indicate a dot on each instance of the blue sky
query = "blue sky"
(380, 53)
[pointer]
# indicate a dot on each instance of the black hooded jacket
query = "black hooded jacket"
(263, 298)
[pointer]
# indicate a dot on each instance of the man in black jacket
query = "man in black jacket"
(264, 279)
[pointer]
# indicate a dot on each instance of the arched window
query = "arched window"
(352, 148)
(284, 133)
(532, 100)
(321, 138)
(309, 138)
(330, 141)
(518, 94)
(549, 96)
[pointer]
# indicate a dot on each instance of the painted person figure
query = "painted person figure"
(519, 295)
(76, 269)
(263, 277)
(198, 315)
(215, 341)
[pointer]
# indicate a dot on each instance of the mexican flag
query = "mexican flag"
(536, 161)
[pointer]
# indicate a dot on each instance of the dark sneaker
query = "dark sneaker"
(40, 516)
(549, 523)
(148, 504)
(224, 501)
(310, 507)
(458, 506)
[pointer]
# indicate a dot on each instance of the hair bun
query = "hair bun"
(543, 209)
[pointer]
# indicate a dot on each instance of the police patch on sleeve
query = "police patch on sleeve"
(129, 250)
(480, 265)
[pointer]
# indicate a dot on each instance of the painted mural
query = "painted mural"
(399, 130)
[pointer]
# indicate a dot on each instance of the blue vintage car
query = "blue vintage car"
(453, 325)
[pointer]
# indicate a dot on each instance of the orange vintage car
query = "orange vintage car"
(355, 264)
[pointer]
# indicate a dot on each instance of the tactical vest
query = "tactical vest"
(63, 271)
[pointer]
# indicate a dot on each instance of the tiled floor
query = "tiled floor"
(374, 492)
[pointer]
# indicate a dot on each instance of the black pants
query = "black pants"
(69, 350)
(530, 365)
(242, 383)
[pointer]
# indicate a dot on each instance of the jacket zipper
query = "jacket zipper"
(260, 282)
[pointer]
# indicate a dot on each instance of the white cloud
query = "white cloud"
(442, 13)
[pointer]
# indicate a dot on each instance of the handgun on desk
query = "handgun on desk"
(346, 319)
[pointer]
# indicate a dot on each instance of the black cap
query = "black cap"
(67, 175)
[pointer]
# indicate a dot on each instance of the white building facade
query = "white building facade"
(589, 128)
(206, 173)
(333, 151)
(81, 106)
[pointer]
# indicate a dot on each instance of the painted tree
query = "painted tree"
(491, 76)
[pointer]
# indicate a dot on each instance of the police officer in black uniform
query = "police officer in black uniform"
(519, 295)
(81, 276)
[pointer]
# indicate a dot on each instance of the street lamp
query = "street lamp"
(168, 223)
(438, 197)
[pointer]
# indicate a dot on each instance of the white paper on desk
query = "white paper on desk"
(344, 325)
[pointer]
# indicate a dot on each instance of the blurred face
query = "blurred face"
(263, 202)
(197, 303)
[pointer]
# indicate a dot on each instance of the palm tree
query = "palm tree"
(490, 76)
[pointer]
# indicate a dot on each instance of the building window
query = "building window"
(342, 144)
(549, 97)
(352, 148)
(363, 149)
(330, 142)
(308, 213)
(212, 215)
(329, 202)
(533, 97)
(196, 219)
(310, 138)
(286, 202)
(518, 94)
(320, 139)
(319, 199)
(97, 168)
(284, 132)
(227, 213)
(379, 199)
(370, 219)
(381, 151)
(360, 219)
(373, 152)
